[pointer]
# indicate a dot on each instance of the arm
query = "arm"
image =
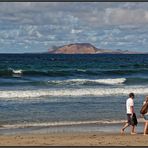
(132, 109)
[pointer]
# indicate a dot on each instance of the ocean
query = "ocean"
(51, 91)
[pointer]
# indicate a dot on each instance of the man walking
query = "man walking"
(130, 113)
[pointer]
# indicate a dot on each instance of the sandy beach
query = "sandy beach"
(74, 139)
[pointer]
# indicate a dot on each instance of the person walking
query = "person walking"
(130, 113)
(144, 112)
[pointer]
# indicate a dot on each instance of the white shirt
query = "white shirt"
(129, 103)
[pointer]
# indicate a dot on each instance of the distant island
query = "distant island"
(85, 48)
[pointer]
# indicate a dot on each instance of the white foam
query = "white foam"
(111, 81)
(17, 71)
(27, 94)
(100, 81)
(66, 123)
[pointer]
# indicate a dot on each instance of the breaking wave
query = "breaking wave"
(83, 81)
(71, 72)
(17, 71)
(27, 94)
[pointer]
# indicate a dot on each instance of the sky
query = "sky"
(39, 26)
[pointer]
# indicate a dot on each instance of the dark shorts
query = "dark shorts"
(146, 117)
(129, 119)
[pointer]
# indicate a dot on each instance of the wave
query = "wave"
(82, 70)
(53, 73)
(85, 81)
(65, 123)
(71, 72)
(10, 72)
(17, 71)
(125, 71)
(8, 82)
(69, 92)
(136, 80)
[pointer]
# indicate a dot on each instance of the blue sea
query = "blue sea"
(75, 92)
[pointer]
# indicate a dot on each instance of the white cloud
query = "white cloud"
(108, 24)
(76, 31)
(74, 12)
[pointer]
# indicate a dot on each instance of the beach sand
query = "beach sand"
(74, 139)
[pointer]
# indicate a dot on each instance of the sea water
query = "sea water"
(85, 91)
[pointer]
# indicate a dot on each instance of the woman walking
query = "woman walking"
(144, 112)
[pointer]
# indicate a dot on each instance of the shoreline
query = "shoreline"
(77, 128)
(96, 135)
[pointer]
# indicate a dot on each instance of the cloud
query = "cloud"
(120, 16)
(36, 25)
(95, 14)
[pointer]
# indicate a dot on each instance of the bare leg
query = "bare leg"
(145, 128)
(124, 127)
(133, 130)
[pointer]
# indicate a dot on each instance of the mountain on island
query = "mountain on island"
(85, 48)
